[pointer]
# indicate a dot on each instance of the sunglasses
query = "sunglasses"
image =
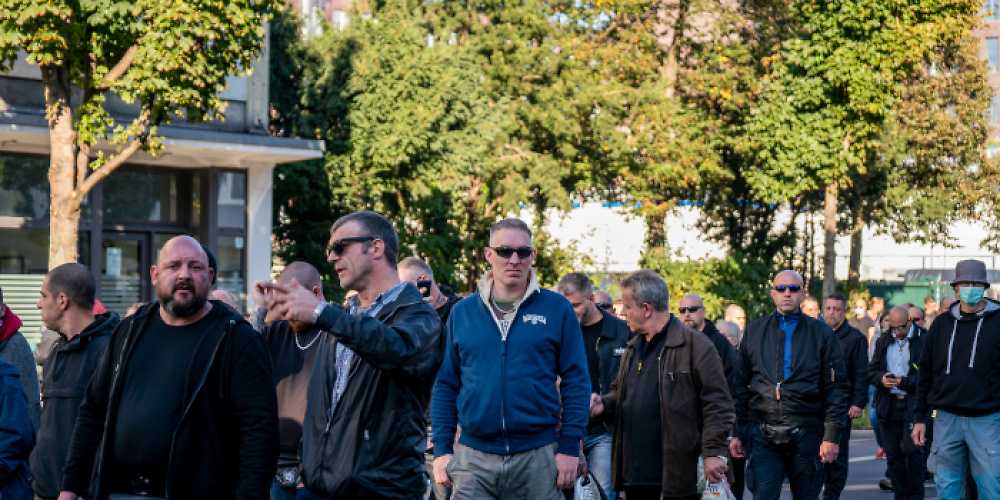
(692, 309)
(790, 288)
(507, 252)
(338, 247)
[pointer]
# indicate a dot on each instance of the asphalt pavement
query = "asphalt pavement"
(864, 473)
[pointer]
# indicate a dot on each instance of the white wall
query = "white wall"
(259, 209)
(613, 238)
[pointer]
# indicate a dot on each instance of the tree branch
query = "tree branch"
(119, 69)
(109, 167)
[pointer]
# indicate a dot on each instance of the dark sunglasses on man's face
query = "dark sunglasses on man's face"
(338, 247)
(692, 309)
(507, 252)
(790, 288)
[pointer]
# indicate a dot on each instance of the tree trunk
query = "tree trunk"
(830, 239)
(64, 200)
(854, 264)
(656, 231)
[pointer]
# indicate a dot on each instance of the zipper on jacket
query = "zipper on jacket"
(503, 393)
(111, 393)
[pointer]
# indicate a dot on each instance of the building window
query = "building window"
(991, 10)
(24, 186)
(24, 251)
(995, 109)
(232, 200)
(993, 53)
(232, 268)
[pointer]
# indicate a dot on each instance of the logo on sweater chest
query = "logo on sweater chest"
(534, 319)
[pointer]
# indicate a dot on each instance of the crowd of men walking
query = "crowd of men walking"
(515, 391)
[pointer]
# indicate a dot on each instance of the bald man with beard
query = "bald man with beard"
(182, 405)
(791, 396)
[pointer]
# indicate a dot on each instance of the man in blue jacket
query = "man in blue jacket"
(508, 347)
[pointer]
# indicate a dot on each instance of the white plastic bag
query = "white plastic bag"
(586, 488)
(718, 491)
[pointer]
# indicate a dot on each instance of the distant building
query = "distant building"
(989, 33)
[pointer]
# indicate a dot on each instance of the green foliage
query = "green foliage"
(719, 282)
(175, 55)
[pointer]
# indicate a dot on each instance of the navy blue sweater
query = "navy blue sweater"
(503, 392)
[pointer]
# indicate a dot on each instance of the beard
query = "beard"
(183, 309)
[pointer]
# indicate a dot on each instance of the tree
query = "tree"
(169, 59)
(828, 114)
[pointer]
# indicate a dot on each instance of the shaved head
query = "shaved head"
(178, 242)
(303, 272)
(788, 274)
(899, 315)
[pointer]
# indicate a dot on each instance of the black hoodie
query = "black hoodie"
(67, 371)
(960, 366)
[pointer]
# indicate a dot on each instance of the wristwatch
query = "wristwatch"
(319, 310)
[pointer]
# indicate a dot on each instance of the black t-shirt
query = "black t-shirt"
(292, 368)
(590, 335)
(642, 463)
(153, 394)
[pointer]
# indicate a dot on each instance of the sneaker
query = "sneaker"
(880, 454)
(885, 485)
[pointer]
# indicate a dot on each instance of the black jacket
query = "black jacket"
(67, 372)
(960, 365)
(854, 345)
(610, 346)
(815, 394)
(226, 442)
(373, 443)
(728, 354)
(910, 381)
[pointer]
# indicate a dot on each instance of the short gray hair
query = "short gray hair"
(647, 287)
(729, 329)
(575, 283)
(510, 223)
(417, 264)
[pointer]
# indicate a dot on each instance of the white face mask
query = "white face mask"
(859, 311)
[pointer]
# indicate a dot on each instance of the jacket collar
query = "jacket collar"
(486, 288)
(674, 330)
(607, 325)
(103, 324)
(388, 301)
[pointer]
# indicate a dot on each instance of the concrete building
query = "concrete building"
(989, 33)
(212, 181)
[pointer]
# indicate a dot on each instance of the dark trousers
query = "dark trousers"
(739, 466)
(835, 474)
(906, 461)
(651, 493)
(797, 460)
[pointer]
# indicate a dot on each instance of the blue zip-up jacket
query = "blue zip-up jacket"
(502, 391)
(17, 436)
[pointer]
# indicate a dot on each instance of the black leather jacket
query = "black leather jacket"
(814, 395)
(372, 444)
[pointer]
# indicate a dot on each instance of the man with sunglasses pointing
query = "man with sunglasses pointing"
(508, 347)
(363, 435)
(791, 396)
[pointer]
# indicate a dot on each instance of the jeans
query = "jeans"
(798, 460)
(279, 493)
(872, 416)
(835, 474)
(962, 444)
(597, 449)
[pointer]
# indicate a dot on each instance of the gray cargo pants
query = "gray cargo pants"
(529, 475)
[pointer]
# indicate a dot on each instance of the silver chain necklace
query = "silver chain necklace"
(311, 342)
(502, 310)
